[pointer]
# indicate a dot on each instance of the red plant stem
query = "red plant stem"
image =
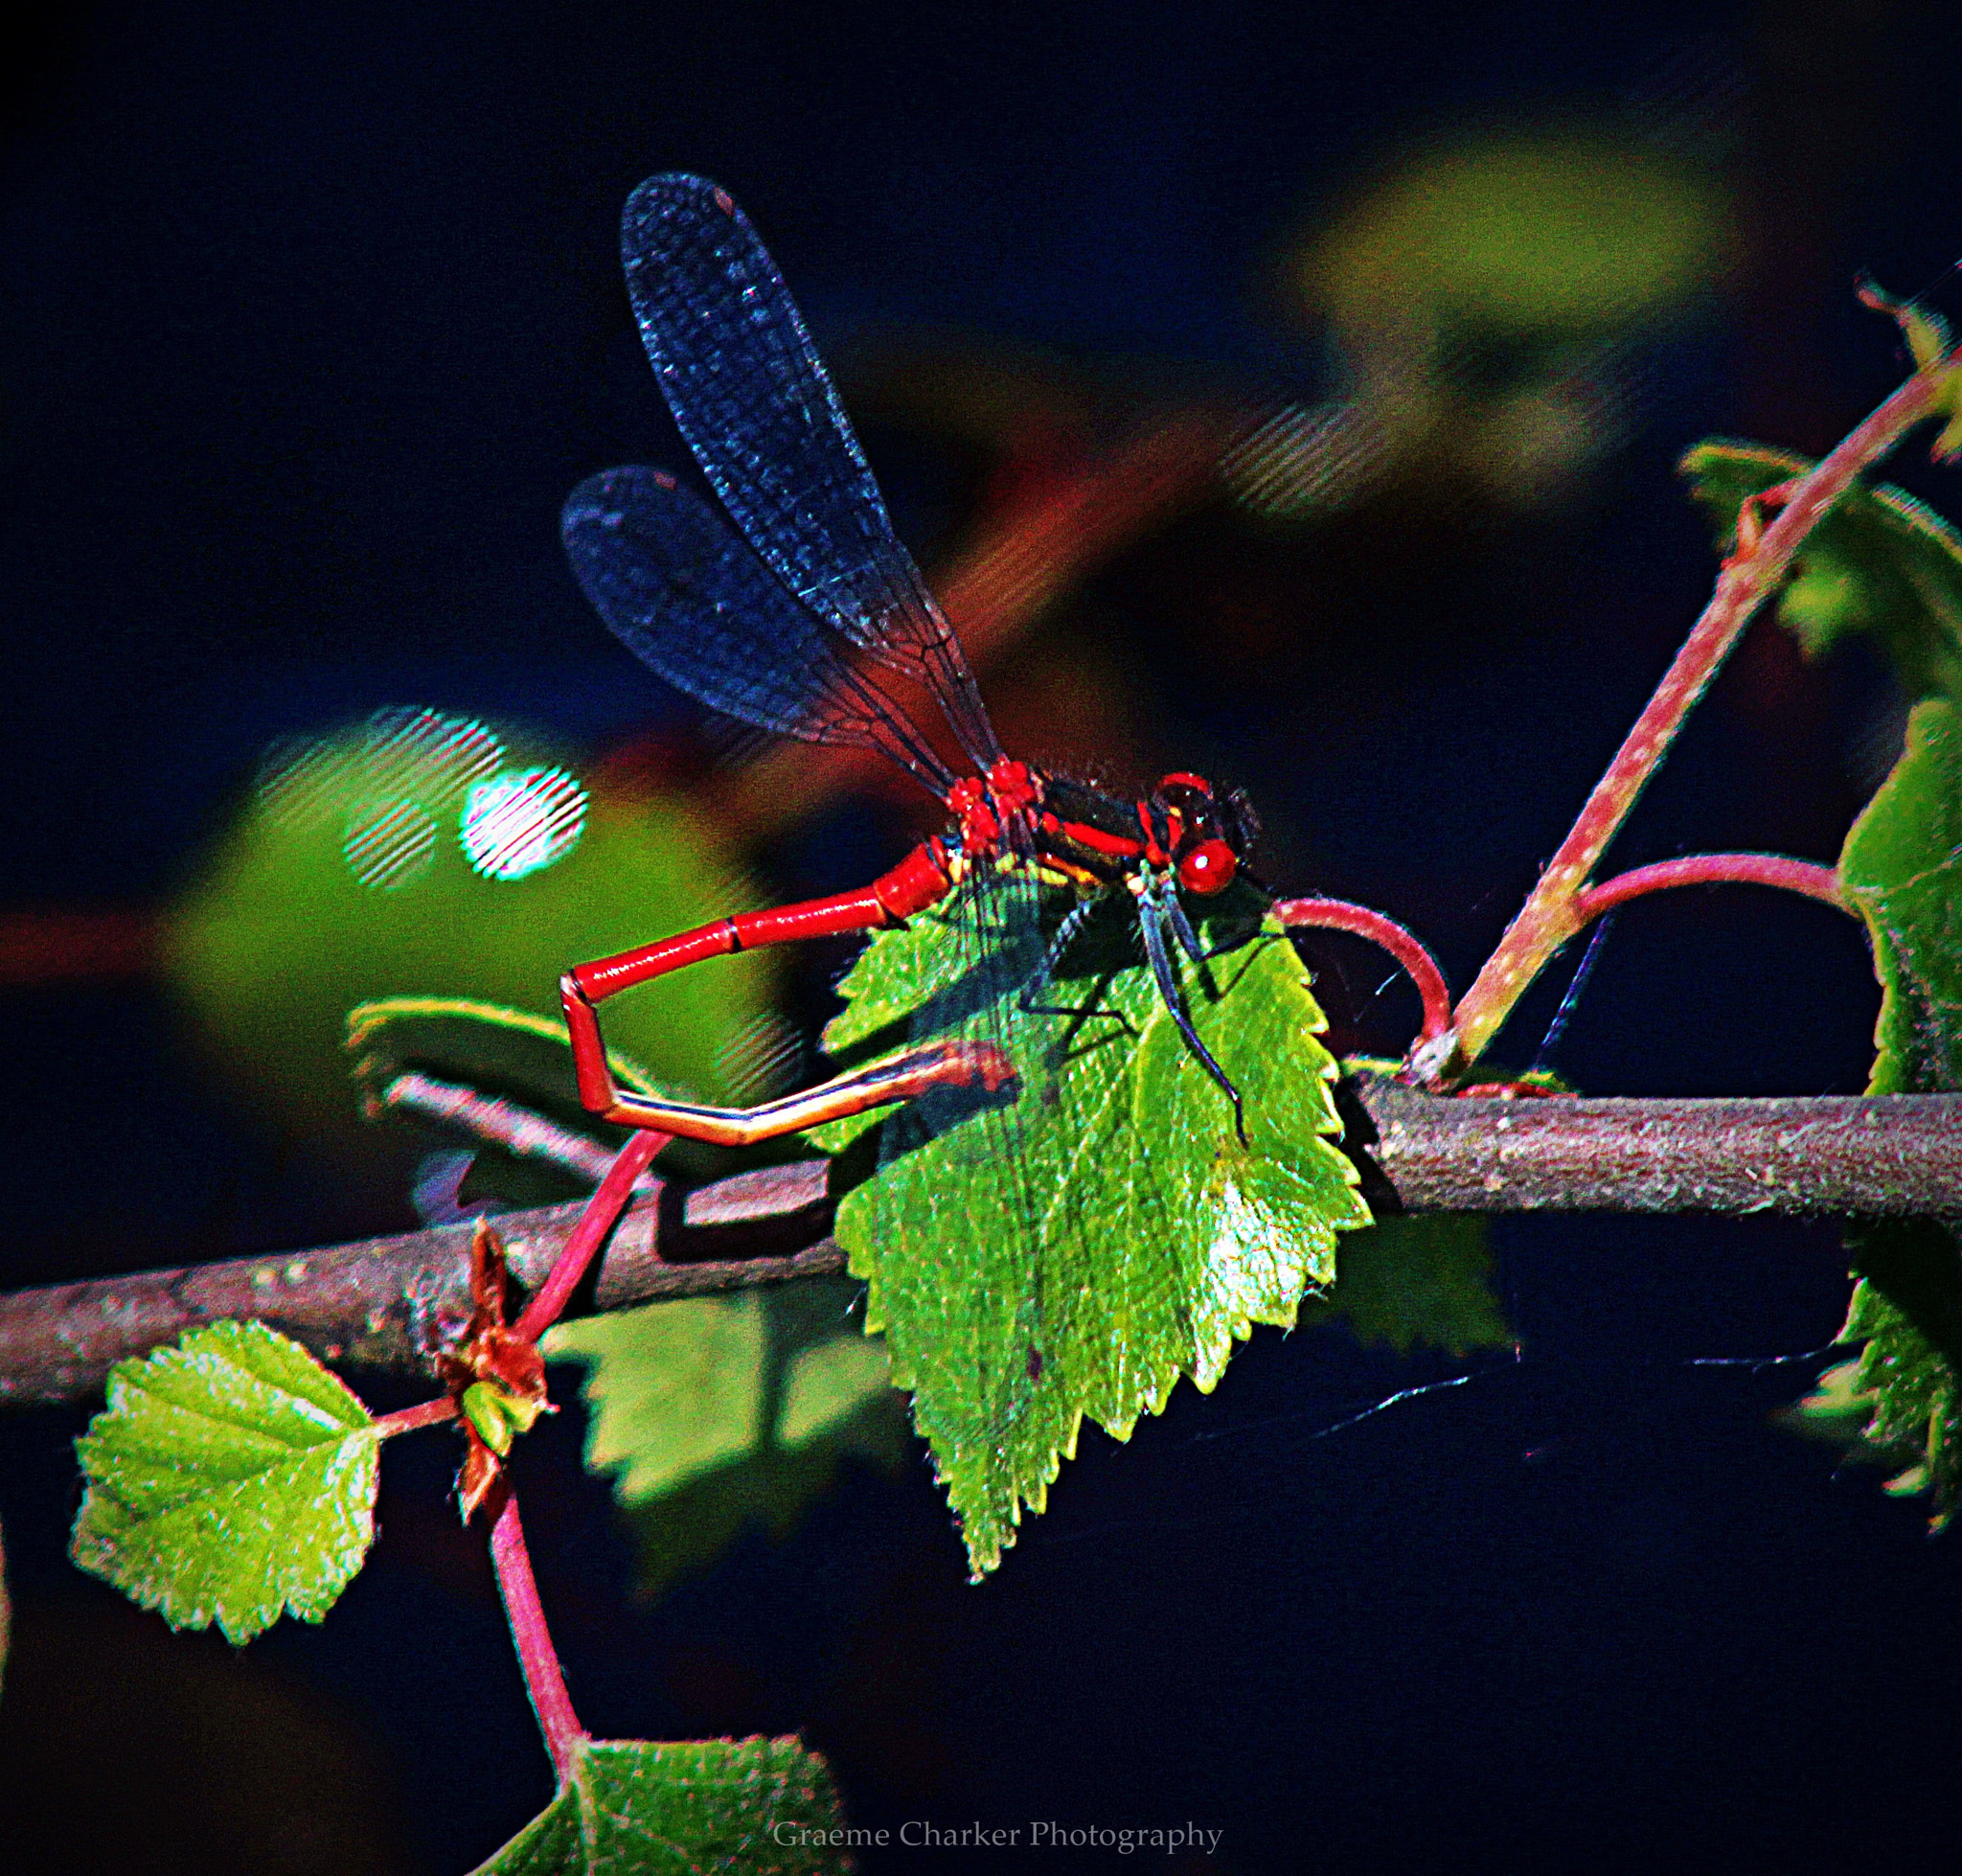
(56, 946)
(600, 1215)
(1549, 917)
(1339, 915)
(1709, 870)
(406, 1420)
(544, 1679)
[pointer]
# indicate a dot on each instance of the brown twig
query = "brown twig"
(390, 1302)
(1828, 1155)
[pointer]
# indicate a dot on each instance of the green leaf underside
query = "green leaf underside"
(514, 1056)
(717, 1413)
(1076, 1248)
(748, 1807)
(488, 1045)
(1879, 563)
(1901, 867)
(1916, 1404)
(1420, 1282)
(229, 1478)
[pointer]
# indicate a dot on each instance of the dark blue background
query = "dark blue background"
(312, 316)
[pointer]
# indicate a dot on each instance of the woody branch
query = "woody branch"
(388, 1303)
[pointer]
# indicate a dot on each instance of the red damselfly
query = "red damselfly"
(794, 622)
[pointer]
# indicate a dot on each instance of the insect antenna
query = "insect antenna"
(1542, 1057)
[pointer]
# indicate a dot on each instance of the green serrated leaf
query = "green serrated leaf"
(1901, 869)
(1076, 1252)
(719, 1412)
(1417, 1282)
(1879, 562)
(1916, 1406)
(229, 1478)
(698, 1807)
(1837, 1412)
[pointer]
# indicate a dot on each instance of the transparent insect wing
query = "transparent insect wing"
(764, 420)
(690, 599)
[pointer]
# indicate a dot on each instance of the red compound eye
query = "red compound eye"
(1208, 868)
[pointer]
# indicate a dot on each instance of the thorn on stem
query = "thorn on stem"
(1752, 521)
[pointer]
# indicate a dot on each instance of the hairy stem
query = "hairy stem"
(544, 1679)
(1550, 915)
(1802, 875)
(1339, 915)
(596, 1224)
(406, 1420)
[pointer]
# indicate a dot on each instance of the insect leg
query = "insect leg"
(1065, 935)
(1187, 933)
(1181, 925)
(1152, 920)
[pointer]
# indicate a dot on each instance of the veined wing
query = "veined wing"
(756, 407)
(694, 603)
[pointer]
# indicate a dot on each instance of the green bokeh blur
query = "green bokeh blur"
(346, 878)
(1536, 228)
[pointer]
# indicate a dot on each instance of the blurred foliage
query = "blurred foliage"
(1480, 296)
(716, 1413)
(1417, 1282)
(1879, 562)
(345, 879)
(1550, 229)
